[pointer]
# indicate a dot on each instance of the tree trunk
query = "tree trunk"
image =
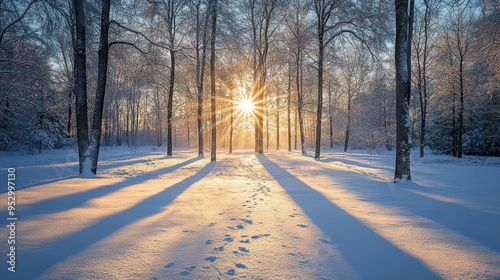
(330, 114)
(460, 110)
(200, 74)
(348, 125)
(319, 113)
(231, 125)
(213, 156)
(170, 102)
(300, 104)
(70, 113)
(277, 125)
(403, 87)
(80, 73)
(102, 65)
(267, 129)
(289, 97)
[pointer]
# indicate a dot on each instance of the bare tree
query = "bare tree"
(82, 130)
(459, 39)
(402, 56)
(213, 11)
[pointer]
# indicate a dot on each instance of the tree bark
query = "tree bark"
(102, 65)
(80, 73)
(319, 113)
(213, 156)
(289, 97)
(170, 102)
(330, 114)
(403, 87)
(200, 72)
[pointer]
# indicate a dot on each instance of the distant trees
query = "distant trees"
(53, 72)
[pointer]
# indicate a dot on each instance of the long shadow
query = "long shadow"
(482, 227)
(36, 263)
(353, 162)
(66, 202)
(63, 173)
(371, 256)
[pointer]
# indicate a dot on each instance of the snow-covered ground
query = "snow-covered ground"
(277, 216)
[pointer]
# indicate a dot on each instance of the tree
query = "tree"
(261, 17)
(297, 27)
(201, 47)
(213, 11)
(352, 74)
(402, 57)
(459, 39)
(422, 50)
(82, 130)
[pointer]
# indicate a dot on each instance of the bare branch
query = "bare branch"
(126, 43)
(142, 35)
(17, 19)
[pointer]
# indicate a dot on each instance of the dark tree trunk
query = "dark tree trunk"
(70, 113)
(102, 65)
(231, 125)
(403, 88)
(348, 125)
(319, 109)
(213, 156)
(300, 104)
(289, 98)
(330, 114)
(200, 73)
(461, 111)
(454, 127)
(170, 102)
(80, 73)
(277, 124)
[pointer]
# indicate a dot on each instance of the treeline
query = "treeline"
(158, 86)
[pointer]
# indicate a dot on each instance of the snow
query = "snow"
(275, 216)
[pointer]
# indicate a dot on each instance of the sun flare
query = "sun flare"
(246, 105)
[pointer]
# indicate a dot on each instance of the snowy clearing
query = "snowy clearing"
(276, 216)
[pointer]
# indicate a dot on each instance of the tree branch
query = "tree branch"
(17, 20)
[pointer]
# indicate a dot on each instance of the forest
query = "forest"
(264, 74)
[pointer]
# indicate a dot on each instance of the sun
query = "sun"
(246, 105)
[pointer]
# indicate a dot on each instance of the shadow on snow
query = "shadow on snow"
(370, 254)
(36, 263)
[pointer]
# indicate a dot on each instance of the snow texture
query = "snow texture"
(276, 216)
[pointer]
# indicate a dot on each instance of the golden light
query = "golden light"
(246, 105)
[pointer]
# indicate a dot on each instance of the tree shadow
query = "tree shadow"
(480, 226)
(35, 263)
(370, 255)
(66, 202)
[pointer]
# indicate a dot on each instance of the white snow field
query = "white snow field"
(275, 216)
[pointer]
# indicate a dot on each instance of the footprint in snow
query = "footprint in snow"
(255, 236)
(231, 272)
(240, 265)
(240, 226)
(302, 225)
(208, 242)
(188, 270)
(243, 249)
(169, 265)
(245, 241)
(220, 249)
(247, 221)
(229, 239)
(210, 259)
